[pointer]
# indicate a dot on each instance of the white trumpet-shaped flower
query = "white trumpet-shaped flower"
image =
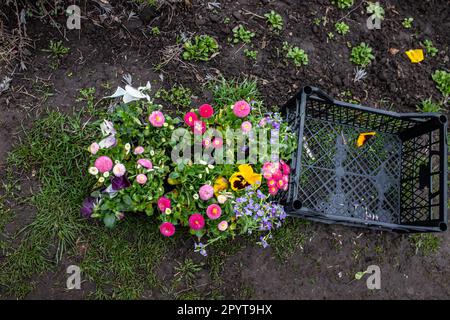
(132, 94)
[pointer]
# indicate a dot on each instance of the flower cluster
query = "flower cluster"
(134, 170)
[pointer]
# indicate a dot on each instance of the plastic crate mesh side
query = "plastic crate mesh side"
(336, 177)
(420, 202)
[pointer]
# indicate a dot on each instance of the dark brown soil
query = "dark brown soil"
(326, 266)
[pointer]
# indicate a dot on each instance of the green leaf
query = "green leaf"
(360, 274)
(109, 220)
(127, 200)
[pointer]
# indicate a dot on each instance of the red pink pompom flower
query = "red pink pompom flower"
(167, 229)
(190, 118)
(277, 175)
(196, 221)
(206, 111)
(163, 204)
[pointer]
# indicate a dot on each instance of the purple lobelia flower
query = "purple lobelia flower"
(119, 183)
(263, 242)
(200, 248)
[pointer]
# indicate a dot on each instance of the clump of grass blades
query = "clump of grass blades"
(124, 260)
(54, 147)
(289, 238)
(227, 92)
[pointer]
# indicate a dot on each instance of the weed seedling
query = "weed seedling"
(375, 9)
(407, 23)
(155, 31)
(177, 96)
(429, 106)
(252, 54)
(57, 50)
(202, 48)
(343, 4)
(442, 80)
(240, 34)
(297, 55)
(362, 55)
(274, 20)
(342, 28)
(429, 48)
(185, 271)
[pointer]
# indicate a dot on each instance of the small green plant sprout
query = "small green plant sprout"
(343, 4)
(56, 49)
(186, 271)
(330, 35)
(203, 48)
(362, 55)
(177, 96)
(297, 55)
(226, 20)
(317, 21)
(252, 54)
(375, 9)
(425, 243)
(429, 106)
(360, 274)
(407, 23)
(342, 28)
(442, 80)
(155, 31)
(429, 48)
(274, 20)
(240, 34)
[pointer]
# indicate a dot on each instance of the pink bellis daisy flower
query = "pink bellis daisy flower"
(139, 150)
(156, 118)
(103, 164)
(196, 221)
(241, 109)
(213, 211)
(199, 127)
(94, 147)
(119, 170)
(190, 118)
(167, 229)
(206, 192)
(147, 164)
(141, 178)
(222, 226)
(163, 204)
(246, 126)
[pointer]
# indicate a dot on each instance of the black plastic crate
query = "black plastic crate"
(396, 181)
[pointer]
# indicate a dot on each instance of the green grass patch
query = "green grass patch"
(121, 262)
(425, 243)
(289, 238)
(227, 92)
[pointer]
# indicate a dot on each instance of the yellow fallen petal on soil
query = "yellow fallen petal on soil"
(415, 55)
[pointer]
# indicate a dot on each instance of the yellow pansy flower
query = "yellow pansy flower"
(415, 55)
(220, 184)
(244, 177)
